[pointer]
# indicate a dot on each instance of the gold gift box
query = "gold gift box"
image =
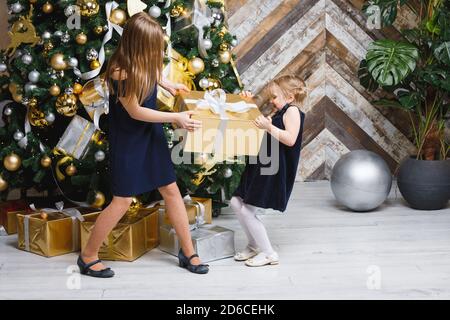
(134, 235)
(193, 208)
(8, 217)
(241, 136)
(49, 233)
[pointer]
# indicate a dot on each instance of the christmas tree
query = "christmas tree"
(52, 94)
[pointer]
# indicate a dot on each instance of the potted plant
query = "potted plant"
(415, 73)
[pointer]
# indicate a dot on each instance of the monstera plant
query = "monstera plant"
(416, 74)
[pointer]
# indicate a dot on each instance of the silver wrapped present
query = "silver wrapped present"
(76, 139)
(210, 242)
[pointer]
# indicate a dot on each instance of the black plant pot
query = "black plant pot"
(425, 184)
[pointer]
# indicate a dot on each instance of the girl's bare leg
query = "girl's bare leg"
(106, 221)
(176, 210)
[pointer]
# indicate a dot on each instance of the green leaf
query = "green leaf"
(365, 78)
(442, 53)
(389, 61)
(388, 103)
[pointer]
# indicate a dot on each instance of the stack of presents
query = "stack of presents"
(61, 230)
(55, 231)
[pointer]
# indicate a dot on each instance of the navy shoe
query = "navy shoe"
(85, 268)
(185, 262)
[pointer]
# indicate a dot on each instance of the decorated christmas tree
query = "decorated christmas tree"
(53, 134)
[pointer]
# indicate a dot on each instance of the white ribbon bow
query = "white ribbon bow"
(101, 106)
(201, 20)
(215, 101)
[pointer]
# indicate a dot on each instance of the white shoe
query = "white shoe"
(262, 259)
(245, 254)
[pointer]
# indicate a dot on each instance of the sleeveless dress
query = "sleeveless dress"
(139, 156)
(272, 191)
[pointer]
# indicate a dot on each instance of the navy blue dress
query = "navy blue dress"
(139, 156)
(272, 191)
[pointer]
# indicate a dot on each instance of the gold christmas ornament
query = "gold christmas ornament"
(77, 88)
(88, 8)
(225, 56)
(98, 30)
(118, 16)
(47, 47)
(196, 65)
(36, 116)
(46, 161)
(57, 62)
(66, 104)
(135, 205)
(214, 84)
(81, 38)
(54, 90)
(3, 184)
(176, 11)
(71, 170)
(12, 162)
(47, 8)
(99, 200)
(224, 47)
(33, 103)
(94, 64)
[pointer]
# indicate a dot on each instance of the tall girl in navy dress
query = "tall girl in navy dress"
(260, 188)
(139, 155)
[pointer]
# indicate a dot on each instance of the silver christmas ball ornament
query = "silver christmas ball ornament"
(58, 33)
(215, 63)
(73, 62)
(207, 44)
(227, 173)
(70, 10)
(99, 156)
(46, 35)
(27, 58)
(91, 54)
(16, 7)
(29, 87)
(65, 38)
(50, 117)
(234, 42)
(33, 76)
(18, 135)
(154, 11)
(3, 67)
(7, 111)
(203, 83)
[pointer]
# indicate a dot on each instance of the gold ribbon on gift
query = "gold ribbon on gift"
(58, 152)
(73, 213)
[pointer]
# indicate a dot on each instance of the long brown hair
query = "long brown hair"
(138, 57)
(290, 85)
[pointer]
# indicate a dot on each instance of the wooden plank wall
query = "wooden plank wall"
(4, 39)
(322, 41)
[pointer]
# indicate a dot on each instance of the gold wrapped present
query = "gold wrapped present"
(175, 71)
(50, 232)
(199, 211)
(8, 214)
(227, 129)
(77, 138)
(134, 235)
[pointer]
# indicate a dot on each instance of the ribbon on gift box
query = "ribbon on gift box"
(199, 208)
(215, 101)
(95, 98)
(69, 212)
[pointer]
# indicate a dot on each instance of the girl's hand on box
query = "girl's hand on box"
(246, 95)
(183, 120)
(263, 122)
(178, 88)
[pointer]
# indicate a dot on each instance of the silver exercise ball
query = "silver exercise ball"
(361, 180)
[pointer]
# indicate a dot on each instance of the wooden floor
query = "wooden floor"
(326, 252)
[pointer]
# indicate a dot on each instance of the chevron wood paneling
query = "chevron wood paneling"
(323, 42)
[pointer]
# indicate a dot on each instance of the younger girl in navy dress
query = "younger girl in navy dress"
(139, 156)
(260, 189)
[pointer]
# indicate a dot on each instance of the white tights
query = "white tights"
(252, 225)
